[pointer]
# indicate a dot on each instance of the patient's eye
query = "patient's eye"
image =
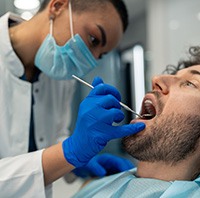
(189, 84)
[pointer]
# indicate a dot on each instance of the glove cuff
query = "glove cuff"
(70, 155)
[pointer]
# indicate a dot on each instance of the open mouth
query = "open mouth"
(148, 111)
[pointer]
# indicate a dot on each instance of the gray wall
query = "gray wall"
(172, 27)
(5, 6)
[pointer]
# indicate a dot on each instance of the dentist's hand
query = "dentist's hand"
(104, 164)
(94, 128)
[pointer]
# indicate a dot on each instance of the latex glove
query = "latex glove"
(94, 128)
(104, 164)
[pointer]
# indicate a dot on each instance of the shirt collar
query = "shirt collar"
(197, 179)
(8, 55)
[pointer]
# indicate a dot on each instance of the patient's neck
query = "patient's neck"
(184, 170)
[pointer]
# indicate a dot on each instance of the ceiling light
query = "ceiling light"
(26, 4)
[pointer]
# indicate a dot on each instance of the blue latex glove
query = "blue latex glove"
(104, 164)
(94, 128)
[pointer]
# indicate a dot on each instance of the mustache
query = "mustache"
(157, 94)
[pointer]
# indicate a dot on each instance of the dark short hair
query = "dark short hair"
(82, 5)
(194, 59)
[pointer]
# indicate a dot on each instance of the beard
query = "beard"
(170, 139)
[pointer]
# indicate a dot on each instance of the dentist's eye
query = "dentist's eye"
(93, 41)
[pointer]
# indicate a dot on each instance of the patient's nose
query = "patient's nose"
(161, 83)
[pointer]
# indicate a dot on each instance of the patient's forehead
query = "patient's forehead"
(188, 70)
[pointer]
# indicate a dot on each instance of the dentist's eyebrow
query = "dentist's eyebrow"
(103, 35)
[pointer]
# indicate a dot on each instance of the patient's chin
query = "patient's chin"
(141, 146)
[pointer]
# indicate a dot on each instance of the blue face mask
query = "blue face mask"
(61, 62)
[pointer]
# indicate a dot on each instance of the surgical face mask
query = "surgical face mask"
(61, 62)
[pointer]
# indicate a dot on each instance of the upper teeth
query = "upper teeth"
(148, 101)
(149, 107)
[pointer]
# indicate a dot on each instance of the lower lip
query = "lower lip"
(140, 120)
(136, 120)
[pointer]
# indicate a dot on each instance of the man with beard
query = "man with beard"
(168, 149)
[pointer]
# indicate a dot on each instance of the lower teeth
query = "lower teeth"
(147, 115)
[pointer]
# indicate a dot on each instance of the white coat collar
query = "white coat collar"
(12, 61)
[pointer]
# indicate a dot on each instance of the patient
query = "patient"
(168, 150)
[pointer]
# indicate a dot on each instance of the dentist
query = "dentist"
(37, 59)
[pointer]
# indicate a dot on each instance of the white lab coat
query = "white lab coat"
(21, 174)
